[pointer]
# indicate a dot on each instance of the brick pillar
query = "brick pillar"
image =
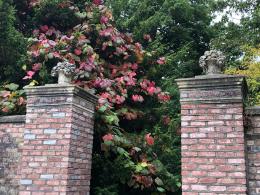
(212, 135)
(253, 149)
(56, 156)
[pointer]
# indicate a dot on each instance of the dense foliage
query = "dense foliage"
(12, 45)
(250, 67)
(240, 41)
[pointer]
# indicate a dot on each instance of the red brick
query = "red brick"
(207, 180)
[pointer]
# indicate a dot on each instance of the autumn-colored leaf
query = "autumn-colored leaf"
(149, 139)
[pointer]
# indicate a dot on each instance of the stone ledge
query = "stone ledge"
(255, 110)
(50, 90)
(209, 81)
(13, 119)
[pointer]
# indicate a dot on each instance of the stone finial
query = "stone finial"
(65, 72)
(212, 62)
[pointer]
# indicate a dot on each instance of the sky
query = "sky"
(234, 16)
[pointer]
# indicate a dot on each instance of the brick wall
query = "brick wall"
(253, 149)
(48, 151)
(212, 134)
(11, 139)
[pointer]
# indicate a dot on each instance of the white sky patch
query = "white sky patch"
(234, 16)
(257, 59)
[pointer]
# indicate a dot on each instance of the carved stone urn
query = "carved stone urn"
(65, 71)
(212, 62)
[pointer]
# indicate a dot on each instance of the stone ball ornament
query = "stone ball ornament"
(212, 62)
(65, 71)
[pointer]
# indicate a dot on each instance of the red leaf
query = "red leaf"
(77, 52)
(108, 137)
(147, 37)
(98, 2)
(137, 98)
(5, 109)
(29, 75)
(151, 90)
(166, 120)
(104, 20)
(44, 28)
(149, 139)
(164, 97)
(161, 60)
(37, 66)
(5, 93)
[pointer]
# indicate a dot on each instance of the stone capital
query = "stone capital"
(217, 88)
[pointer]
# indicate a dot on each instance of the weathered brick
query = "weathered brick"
(49, 142)
(46, 176)
(53, 160)
(25, 182)
(29, 136)
(198, 187)
(50, 131)
(217, 188)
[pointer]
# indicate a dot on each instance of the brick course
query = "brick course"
(212, 134)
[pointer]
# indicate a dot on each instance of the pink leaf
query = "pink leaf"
(137, 98)
(44, 28)
(29, 75)
(5, 109)
(37, 66)
(149, 139)
(5, 93)
(161, 60)
(104, 20)
(164, 97)
(108, 137)
(98, 2)
(77, 52)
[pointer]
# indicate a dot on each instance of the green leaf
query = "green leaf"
(121, 150)
(50, 56)
(12, 86)
(102, 109)
(129, 164)
(158, 181)
(33, 83)
(160, 189)
(112, 119)
(138, 168)
(9, 105)
(137, 149)
(144, 164)
(24, 67)
(81, 15)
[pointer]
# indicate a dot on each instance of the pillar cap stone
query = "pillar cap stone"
(215, 88)
(64, 89)
(254, 110)
(13, 119)
(207, 81)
